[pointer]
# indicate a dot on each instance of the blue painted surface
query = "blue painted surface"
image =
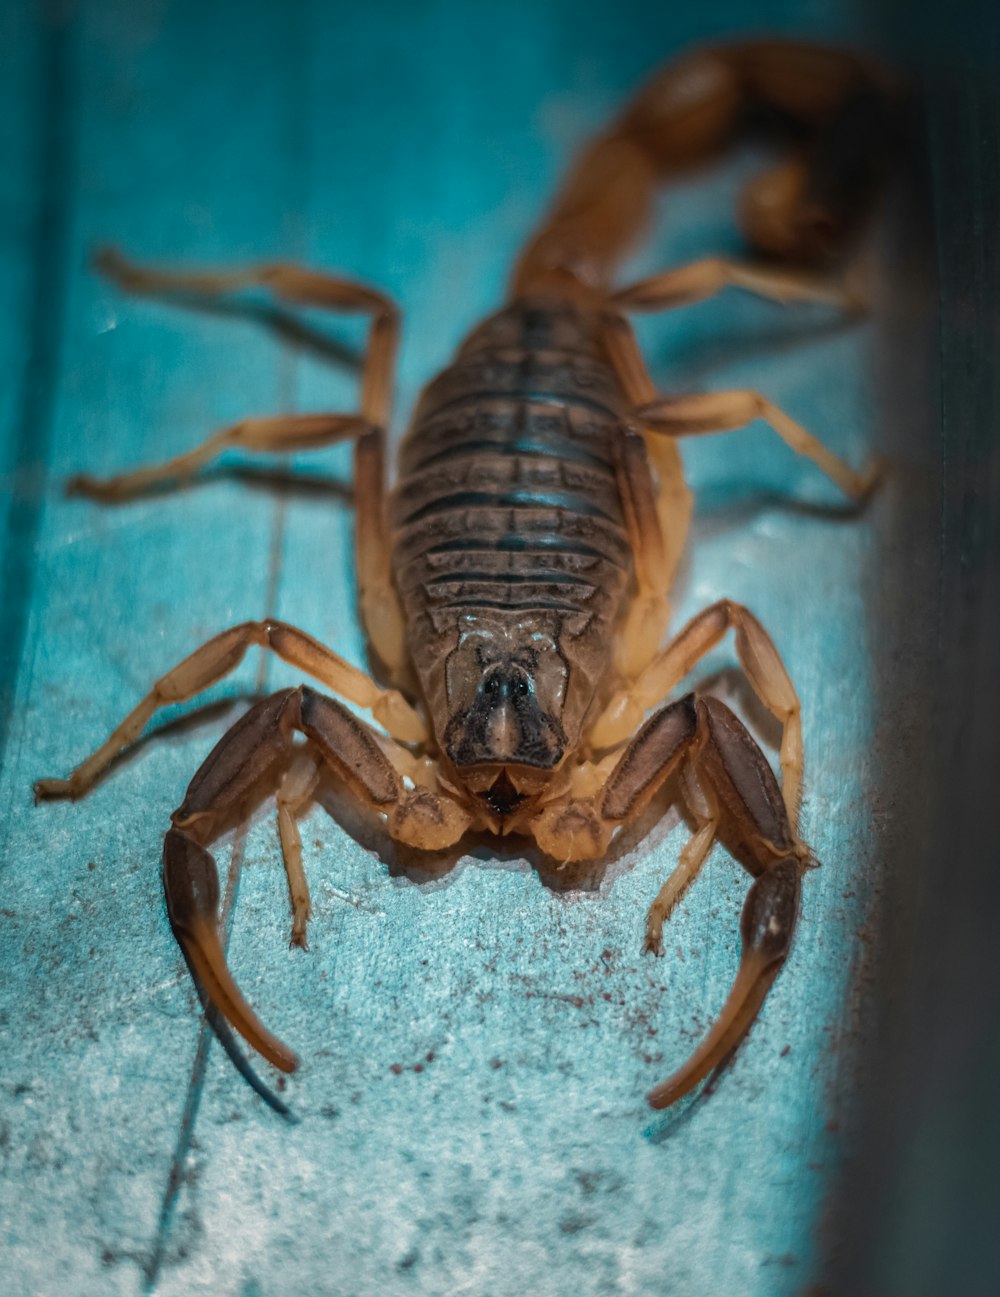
(476, 1049)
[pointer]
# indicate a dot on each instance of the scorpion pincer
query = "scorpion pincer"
(513, 585)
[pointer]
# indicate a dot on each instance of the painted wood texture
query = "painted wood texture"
(476, 1046)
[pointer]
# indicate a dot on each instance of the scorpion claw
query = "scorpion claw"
(747, 995)
(768, 920)
(192, 887)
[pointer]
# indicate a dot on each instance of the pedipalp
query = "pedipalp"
(212, 662)
(732, 792)
(256, 751)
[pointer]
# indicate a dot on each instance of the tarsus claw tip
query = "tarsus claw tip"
(91, 488)
(46, 790)
(873, 477)
(286, 1061)
(106, 259)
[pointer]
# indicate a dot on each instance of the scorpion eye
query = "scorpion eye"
(521, 688)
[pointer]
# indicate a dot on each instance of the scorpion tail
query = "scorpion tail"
(838, 103)
(191, 882)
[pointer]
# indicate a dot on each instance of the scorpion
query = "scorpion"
(513, 584)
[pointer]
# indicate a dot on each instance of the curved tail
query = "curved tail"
(837, 104)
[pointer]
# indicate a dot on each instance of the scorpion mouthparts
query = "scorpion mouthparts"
(502, 796)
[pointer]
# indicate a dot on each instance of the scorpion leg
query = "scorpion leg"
(759, 659)
(295, 790)
(674, 502)
(289, 283)
(701, 803)
(703, 279)
(649, 612)
(284, 434)
(280, 433)
(680, 416)
(381, 612)
(213, 661)
(686, 416)
(231, 777)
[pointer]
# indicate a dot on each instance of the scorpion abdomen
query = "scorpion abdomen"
(507, 517)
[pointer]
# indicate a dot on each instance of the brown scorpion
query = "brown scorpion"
(514, 582)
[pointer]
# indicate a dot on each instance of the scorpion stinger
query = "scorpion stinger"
(515, 585)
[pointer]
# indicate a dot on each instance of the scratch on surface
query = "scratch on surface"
(356, 901)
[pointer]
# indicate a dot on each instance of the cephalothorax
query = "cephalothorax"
(514, 584)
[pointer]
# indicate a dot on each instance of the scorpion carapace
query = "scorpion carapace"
(514, 584)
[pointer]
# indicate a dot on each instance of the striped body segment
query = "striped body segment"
(507, 517)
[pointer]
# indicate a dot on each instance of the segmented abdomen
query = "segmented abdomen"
(508, 497)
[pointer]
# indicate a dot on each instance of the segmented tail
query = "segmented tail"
(838, 105)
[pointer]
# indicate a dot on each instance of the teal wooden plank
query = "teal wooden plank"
(476, 1047)
(34, 213)
(109, 590)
